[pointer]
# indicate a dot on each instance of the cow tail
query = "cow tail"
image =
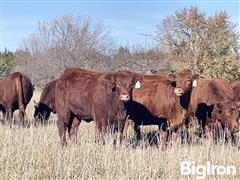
(19, 85)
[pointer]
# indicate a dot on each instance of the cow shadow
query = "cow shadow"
(140, 115)
(147, 139)
(219, 135)
(203, 112)
(152, 139)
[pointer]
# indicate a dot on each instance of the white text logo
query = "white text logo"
(202, 170)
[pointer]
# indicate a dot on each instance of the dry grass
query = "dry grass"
(34, 153)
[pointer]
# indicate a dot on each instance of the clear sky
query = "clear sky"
(123, 19)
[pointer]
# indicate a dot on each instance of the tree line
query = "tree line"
(188, 39)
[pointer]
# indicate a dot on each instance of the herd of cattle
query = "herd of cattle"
(115, 100)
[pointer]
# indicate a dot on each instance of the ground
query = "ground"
(35, 153)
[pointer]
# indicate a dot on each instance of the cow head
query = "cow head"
(227, 113)
(42, 111)
(185, 81)
(124, 82)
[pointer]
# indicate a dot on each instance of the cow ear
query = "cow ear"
(172, 77)
(196, 79)
(110, 77)
(195, 76)
(137, 85)
(138, 81)
(194, 84)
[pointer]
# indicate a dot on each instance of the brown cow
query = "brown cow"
(16, 91)
(46, 104)
(91, 96)
(212, 106)
(155, 103)
(185, 81)
(159, 77)
(236, 91)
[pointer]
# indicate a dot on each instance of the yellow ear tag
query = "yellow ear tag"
(137, 85)
(194, 84)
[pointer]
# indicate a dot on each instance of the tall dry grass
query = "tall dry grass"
(35, 153)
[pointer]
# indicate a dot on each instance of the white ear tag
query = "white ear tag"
(194, 84)
(137, 85)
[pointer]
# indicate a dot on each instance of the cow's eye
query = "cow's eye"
(220, 111)
(114, 89)
(188, 81)
(233, 109)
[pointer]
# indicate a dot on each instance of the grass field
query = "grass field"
(35, 153)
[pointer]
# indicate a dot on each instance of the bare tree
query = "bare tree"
(68, 41)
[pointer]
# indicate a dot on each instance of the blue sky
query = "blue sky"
(123, 19)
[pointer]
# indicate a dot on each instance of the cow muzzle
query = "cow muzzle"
(124, 97)
(178, 91)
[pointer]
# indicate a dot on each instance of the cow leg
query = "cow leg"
(234, 138)
(69, 126)
(128, 123)
(97, 132)
(4, 117)
(62, 132)
(100, 129)
(192, 127)
(22, 114)
(163, 135)
(218, 132)
(9, 115)
(4, 114)
(137, 131)
(163, 139)
(174, 138)
(126, 126)
(120, 130)
(73, 131)
(62, 123)
(207, 132)
(172, 133)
